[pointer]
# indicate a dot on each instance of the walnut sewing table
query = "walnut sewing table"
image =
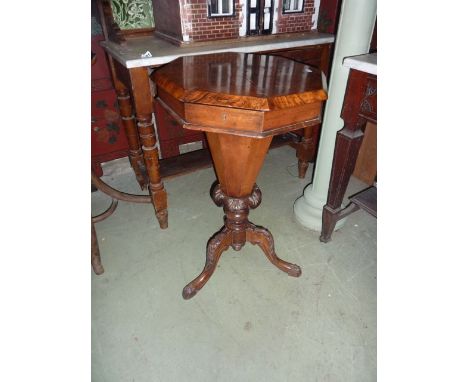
(241, 101)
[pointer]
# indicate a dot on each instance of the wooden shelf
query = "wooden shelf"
(366, 200)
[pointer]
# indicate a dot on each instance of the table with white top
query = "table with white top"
(359, 106)
(133, 61)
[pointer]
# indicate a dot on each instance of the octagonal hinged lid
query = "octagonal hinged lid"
(247, 94)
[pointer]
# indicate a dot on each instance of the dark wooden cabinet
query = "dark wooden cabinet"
(173, 139)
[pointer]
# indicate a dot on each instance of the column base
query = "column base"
(308, 211)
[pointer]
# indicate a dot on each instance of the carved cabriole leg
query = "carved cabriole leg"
(150, 153)
(135, 153)
(348, 142)
(264, 239)
(216, 246)
(307, 149)
(95, 255)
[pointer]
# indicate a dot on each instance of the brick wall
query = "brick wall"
(199, 27)
(295, 22)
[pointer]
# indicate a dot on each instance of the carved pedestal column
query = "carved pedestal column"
(236, 232)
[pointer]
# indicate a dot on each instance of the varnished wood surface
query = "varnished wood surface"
(366, 163)
(243, 81)
(242, 94)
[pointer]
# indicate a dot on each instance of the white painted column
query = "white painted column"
(353, 37)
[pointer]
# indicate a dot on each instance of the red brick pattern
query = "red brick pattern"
(200, 27)
(295, 22)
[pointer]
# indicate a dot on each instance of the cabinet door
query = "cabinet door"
(107, 133)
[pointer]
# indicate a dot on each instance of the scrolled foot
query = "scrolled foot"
(264, 239)
(216, 245)
(189, 291)
(97, 266)
(294, 270)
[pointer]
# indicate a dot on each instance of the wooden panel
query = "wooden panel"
(167, 18)
(224, 117)
(316, 55)
(368, 106)
(172, 102)
(310, 56)
(366, 163)
(293, 115)
(366, 200)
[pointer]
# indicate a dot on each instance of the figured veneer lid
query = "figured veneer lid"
(244, 81)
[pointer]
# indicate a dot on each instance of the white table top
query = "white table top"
(163, 51)
(364, 63)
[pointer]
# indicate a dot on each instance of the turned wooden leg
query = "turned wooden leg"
(95, 255)
(135, 153)
(307, 149)
(264, 239)
(150, 154)
(348, 142)
(216, 246)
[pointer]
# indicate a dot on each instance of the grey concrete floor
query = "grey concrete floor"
(251, 322)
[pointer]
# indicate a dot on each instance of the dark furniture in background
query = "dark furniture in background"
(108, 139)
(116, 196)
(359, 107)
